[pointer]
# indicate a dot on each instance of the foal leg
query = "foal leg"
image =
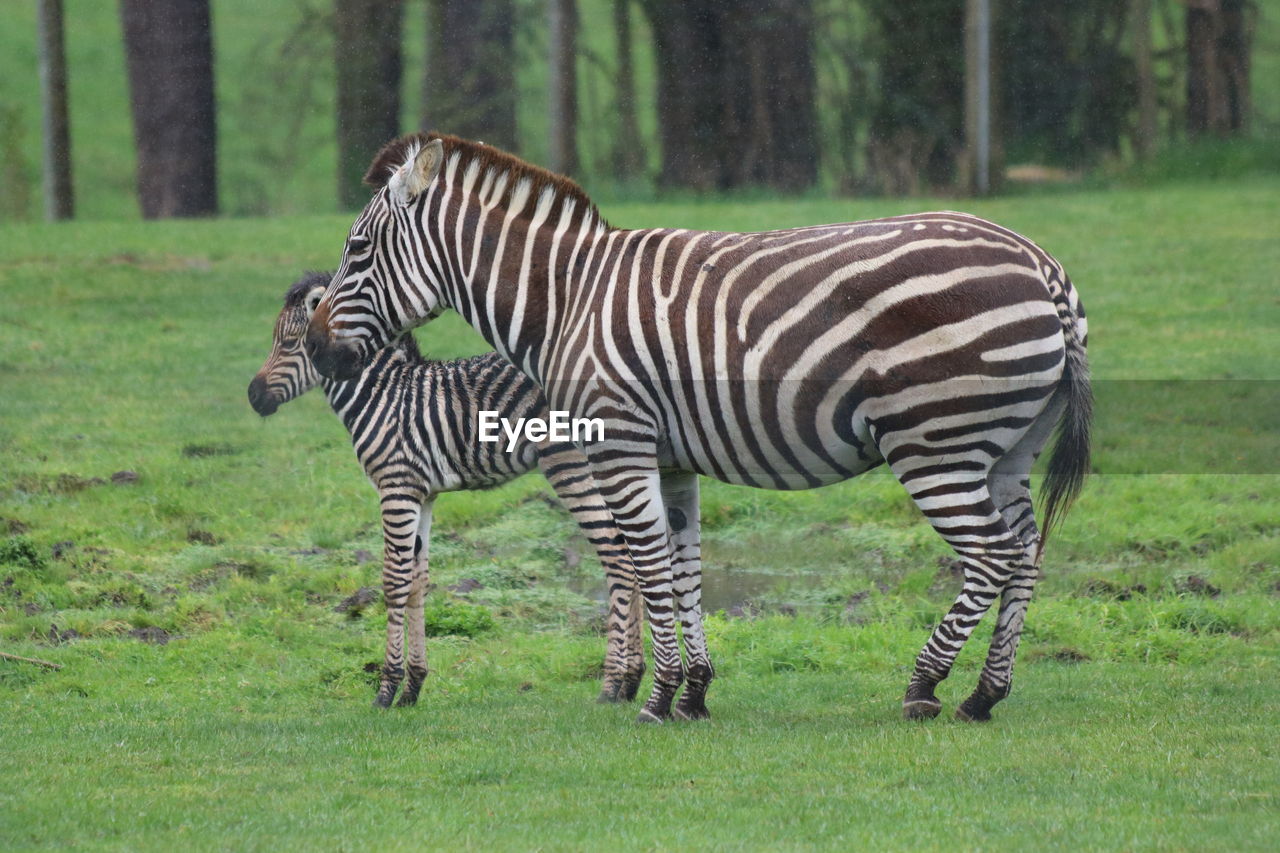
(400, 512)
(680, 494)
(567, 470)
(416, 628)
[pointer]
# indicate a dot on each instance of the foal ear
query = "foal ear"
(313, 298)
(417, 173)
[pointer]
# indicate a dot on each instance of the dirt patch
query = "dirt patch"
(465, 586)
(124, 478)
(61, 549)
(1196, 585)
(58, 637)
(198, 451)
(854, 612)
(154, 636)
(201, 537)
(1099, 588)
(14, 527)
(1065, 654)
(353, 605)
(63, 484)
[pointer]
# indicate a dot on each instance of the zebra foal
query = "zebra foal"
(939, 344)
(413, 423)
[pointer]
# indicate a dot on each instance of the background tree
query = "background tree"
(1144, 134)
(169, 54)
(1068, 84)
(562, 24)
(916, 130)
(367, 58)
(469, 88)
(736, 89)
(56, 144)
(628, 152)
(1218, 45)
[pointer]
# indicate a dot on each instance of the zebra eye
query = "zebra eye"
(356, 245)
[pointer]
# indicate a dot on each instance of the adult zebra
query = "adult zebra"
(941, 344)
(413, 424)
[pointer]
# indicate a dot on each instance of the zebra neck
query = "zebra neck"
(514, 263)
(341, 397)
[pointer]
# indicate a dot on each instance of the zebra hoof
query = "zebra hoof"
(975, 709)
(683, 713)
(921, 709)
(647, 716)
(972, 717)
(383, 699)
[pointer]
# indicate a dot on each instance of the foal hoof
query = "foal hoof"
(921, 709)
(383, 700)
(610, 694)
(630, 688)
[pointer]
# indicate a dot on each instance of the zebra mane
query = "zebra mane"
(395, 153)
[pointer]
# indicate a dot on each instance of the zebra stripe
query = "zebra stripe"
(414, 426)
(940, 344)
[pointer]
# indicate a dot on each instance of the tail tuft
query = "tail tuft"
(1069, 462)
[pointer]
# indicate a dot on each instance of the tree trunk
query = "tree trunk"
(916, 135)
(469, 86)
(628, 154)
(59, 201)
(367, 60)
(1218, 46)
(563, 131)
(736, 88)
(1145, 134)
(169, 53)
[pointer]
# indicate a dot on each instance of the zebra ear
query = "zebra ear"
(417, 173)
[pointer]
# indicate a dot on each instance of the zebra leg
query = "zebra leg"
(569, 473)
(963, 514)
(1010, 487)
(399, 531)
(634, 643)
(627, 475)
(416, 627)
(680, 495)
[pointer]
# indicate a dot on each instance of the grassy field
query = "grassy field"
(210, 695)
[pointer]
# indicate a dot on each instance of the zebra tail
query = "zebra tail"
(1069, 461)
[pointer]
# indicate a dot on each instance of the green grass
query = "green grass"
(1145, 693)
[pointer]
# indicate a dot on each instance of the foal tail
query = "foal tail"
(1069, 461)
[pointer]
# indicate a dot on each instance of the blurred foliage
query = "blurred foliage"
(889, 78)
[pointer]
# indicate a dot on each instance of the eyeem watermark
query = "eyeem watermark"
(560, 427)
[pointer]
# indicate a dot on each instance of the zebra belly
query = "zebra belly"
(780, 462)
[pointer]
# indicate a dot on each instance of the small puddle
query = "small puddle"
(723, 587)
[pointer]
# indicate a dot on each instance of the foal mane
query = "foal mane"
(394, 154)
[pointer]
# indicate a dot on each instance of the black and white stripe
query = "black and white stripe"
(940, 344)
(413, 423)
